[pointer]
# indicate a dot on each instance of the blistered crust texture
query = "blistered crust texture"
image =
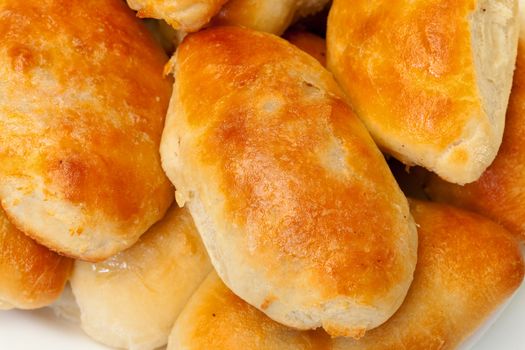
(430, 79)
(283, 180)
(82, 106)
(467, 267)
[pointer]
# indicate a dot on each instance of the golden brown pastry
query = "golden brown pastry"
(132, 299)
(467, 267)
(31, 276)
(309, 43)
(429, 78)
(283, 180)
(185, 15)
(215, 318)
(500, 192)
(272, 16)
(82, 106)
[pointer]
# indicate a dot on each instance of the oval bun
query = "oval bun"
(132, 300)
(467, 267)
(430, 79)
(283, 180)
(82, 106)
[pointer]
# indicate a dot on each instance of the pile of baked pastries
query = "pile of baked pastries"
(246, 193)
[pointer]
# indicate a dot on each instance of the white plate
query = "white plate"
(42, 330)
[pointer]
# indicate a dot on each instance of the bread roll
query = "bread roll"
(82, 106)
(309, 43)
(31, 276)
(215, 318)
(467, 267)
(430, 78)
(185, 15)
(272, 16)
(283, 180)
(132, 299)
(500, 192)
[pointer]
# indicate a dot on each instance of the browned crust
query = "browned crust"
(31, 276)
